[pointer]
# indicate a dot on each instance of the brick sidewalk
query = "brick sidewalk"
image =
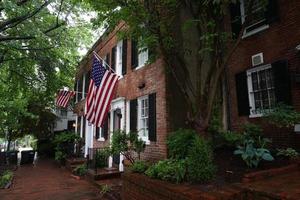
(46, 181)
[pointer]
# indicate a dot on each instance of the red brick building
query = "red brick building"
(265, 68)
(140, 99)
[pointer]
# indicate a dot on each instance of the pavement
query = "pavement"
(47, 181)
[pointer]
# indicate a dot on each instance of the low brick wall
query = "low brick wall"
(140, 187)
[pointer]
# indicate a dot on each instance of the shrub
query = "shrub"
(139, 166)
(64, 145)
(288, 152)
(168, 170)
(5, 178)
(178, 143)
(252, 153)
(231, 138)
(252, 131)
(191, 159)
(126, 144)
(80, 170)
(200, 167)
(101, 157)
(283, 116)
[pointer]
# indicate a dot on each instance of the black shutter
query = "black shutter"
(133, 115)
(134, 54)
(236, 21)
(242, 93)
(282, 82)
(97, 133)
(113, 58)
(272, 13)
(152, 117)
(107, 59)
(124, 57)
(105, 129)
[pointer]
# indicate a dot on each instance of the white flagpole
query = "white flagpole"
(105, 63)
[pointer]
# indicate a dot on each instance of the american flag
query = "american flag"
(63, 97)
(100, 93)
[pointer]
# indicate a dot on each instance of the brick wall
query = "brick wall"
(277, 42)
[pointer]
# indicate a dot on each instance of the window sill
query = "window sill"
(255, 115)
(139, 67)
(101, 139)
(255, 31)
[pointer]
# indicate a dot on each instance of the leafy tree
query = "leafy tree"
(192, 38)
(39, 43)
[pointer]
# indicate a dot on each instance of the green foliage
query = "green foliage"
(200, 167)
(105, 189)
(139, 166)
(231, 138)
(101, 157)
(288, 152)
(64, 144)
(178, 143)
(5, 178)
(127, 144)
(253, 153)
(80, 170)
(191, 159)
(168, 170)
(39, 54)
(283, 116)
(252, 131)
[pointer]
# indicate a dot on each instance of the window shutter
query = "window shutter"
(272, 13)
(124, 57)
(133, 115)
(105, 129)
(113, 58)
(107, 60)
(152, 117)
(242, 93)
(97, 133)
(236, 21)
(282, 82)
(134, 54)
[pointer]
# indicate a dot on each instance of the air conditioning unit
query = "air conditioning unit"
(257, 59)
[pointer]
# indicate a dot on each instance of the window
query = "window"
(119, 58)
(99, 134)
(63, 112)
(256, 16)
(143, 116)
(142, 57)
(261, 90)
(139, 55)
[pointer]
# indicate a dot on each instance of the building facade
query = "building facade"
(139, 103)
(264, 69)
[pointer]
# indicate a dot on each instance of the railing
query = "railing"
(97, 158)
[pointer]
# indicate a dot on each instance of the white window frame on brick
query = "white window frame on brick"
(269, 88)
(143, 118)
(101, 134)
(142, 57)
(119, 53)
(246, 33)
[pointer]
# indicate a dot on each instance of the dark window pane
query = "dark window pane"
(254, 81)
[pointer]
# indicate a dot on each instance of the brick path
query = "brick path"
(46, 181)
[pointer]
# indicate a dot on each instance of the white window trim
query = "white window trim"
(145, 139)
(101, 138)
(254, 31)
(119, 59)
(250, 89)
(146, 51)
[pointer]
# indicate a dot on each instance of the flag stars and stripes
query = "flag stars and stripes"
(100, 93)
(63, 97)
